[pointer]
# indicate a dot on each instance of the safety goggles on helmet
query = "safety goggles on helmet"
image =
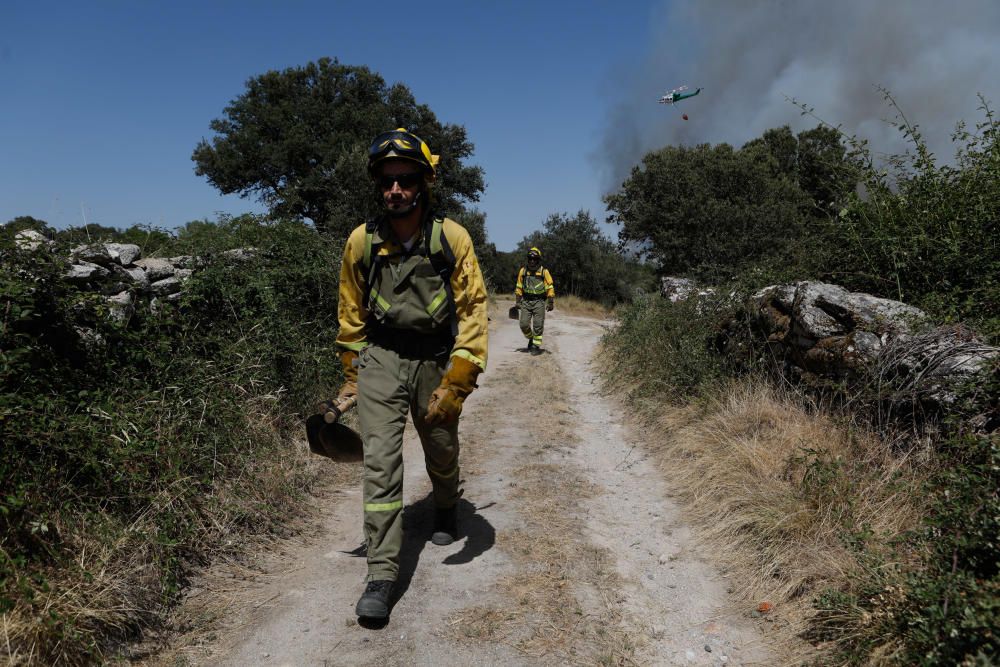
(535, 252)
(401, 144)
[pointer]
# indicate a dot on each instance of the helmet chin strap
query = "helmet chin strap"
(402, 213)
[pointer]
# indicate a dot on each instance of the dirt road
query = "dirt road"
(571, 550)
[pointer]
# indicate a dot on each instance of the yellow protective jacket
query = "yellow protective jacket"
(541, 273)
(467, 284)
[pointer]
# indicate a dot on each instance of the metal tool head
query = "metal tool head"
(334, 441)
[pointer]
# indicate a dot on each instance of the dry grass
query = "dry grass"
(574, 305)
(569, 304)
(790, 502)
(114, 591)
(562, 604)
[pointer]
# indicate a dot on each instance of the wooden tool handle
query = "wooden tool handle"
(336, 411)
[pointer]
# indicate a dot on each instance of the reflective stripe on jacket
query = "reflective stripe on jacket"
(408, 295)
(534, 283)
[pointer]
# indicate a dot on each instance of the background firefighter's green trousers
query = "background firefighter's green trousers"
(389, 386)
(533, 319)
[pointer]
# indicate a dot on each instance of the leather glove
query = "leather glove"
(347, 390)
(550, 304)
(517, 301)
(445, 404)
(348, 359)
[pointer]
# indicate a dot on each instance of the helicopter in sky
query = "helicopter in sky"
(677, 94)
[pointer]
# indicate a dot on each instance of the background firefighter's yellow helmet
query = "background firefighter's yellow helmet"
(400, 143)
(535, 252)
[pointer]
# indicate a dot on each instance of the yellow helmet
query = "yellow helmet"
(535, 252)
(402, 144)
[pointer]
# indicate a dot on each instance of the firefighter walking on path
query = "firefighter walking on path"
(413, 336)
(535, 295)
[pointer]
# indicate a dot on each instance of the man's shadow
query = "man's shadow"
(418, 524)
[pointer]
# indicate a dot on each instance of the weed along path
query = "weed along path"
(570, 549)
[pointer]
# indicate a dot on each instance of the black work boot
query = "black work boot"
(531, 345)
(374, 602)
(445, 526)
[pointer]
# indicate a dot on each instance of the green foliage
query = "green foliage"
(582, 261)
(135, 438)
(926, 233)
(150, 240)
(297, 140)
(664, 349)
(951, 613)
(474, 222)
(903, 227)
(713, 213)
(24, 222)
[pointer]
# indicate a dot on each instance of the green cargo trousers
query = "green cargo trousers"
(390, 386)
(532, 319)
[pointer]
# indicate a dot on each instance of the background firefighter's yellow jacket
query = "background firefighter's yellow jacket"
(466, 283)
(542, 273)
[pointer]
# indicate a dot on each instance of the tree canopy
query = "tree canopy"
(583, 262)
(297, 140)
(709, 211)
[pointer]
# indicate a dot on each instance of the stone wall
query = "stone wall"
(122, 276)
(824, 334)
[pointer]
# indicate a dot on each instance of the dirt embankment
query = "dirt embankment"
(571, 550)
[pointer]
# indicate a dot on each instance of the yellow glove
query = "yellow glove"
(446, 402)
(350, 386)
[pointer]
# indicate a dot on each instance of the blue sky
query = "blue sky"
(103, 103)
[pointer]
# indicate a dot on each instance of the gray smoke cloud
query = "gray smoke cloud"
(933, 56)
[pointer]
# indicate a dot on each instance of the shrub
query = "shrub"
(926, 233)
(133, 449)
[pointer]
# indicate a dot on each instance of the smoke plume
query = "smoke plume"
(932, 56)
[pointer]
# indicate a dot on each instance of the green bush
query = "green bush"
(662, 349)
(582, 261)
(925, 232)
(131, 448)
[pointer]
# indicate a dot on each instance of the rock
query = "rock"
(132, 276)
(120, 306)
(156, 268)
(107, 254)
(932, 367)
(124, 253)
(29, 239)
(824, 333)
(86, 272)
(184, 262)
(183, 274)
(240, 254)
(676, 289)
(681, 289)
(94, 254)
(166, 286)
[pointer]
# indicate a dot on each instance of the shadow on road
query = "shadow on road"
(418, 523)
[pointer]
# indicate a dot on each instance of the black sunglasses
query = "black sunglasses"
(407, 180)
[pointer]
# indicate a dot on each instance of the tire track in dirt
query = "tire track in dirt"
(570, 551)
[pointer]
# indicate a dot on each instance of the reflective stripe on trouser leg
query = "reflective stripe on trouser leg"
(382, 408)
(524, 320)
(440, 443)
(532, 319)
